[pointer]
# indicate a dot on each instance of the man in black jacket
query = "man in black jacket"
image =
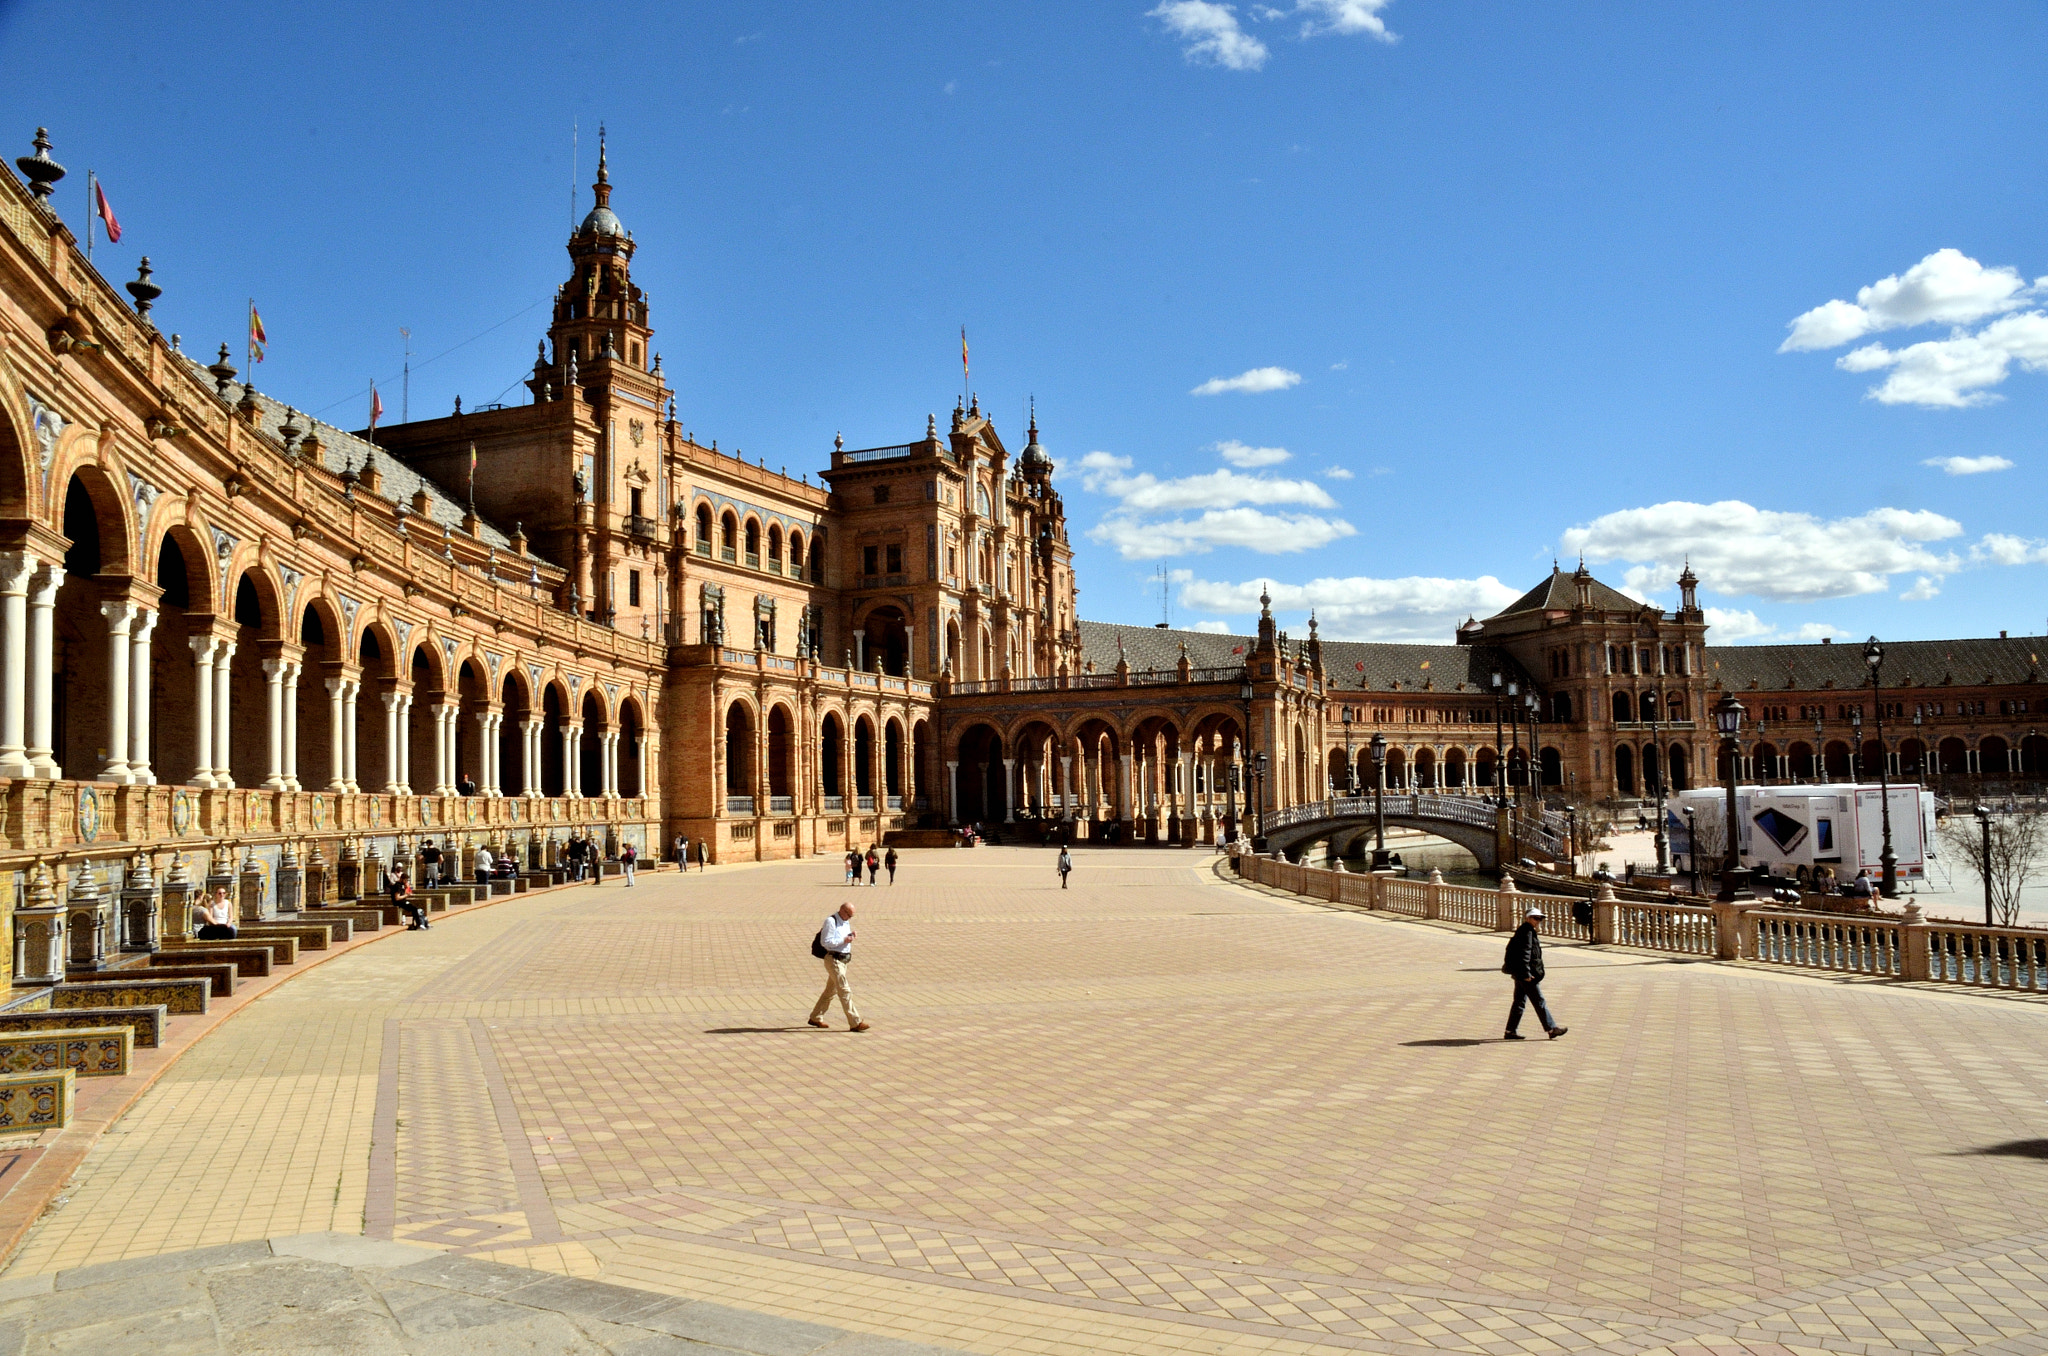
(1525, 963)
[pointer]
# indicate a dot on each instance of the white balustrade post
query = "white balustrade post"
(273, 690)
(337, 752)
(139, 683)
(16, 569)
(350, 691)
(42, 696)
(394, 754)
(203, 650)
(223, 698)
(291, 724)
(120, 623)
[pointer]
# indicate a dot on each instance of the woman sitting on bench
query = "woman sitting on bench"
(408, 904)
(217, 917)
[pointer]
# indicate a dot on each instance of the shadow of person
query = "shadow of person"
(752, 1030)
(1447, 1043)
(2012, 1148)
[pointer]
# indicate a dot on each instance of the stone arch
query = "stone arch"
(1457, 774)
(980, 798)
(1991, 757)
(555, 722)
(1678, 767)
(516, 701)
(832, 754)
(738, 728)
(18, 468)
(1624, 709)
(864, 759)
(886, 636)
(750, 538)
(317, 631)
(774, 560)
(1098, 768)
(106, 499)
(893, 768)
(781, 756)
(728, 536)
(1954, 756)
(796, 553)
(632, 762)
(2033, 755)
(596, 724)
(1624, 770)
(1550, 766)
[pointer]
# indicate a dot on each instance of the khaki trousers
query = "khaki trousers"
(835, 984)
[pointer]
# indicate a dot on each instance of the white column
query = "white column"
(394, 759)
(1009, 790)
(16, 568)
(203, 650)
(273, 691)
(952, 790)
(1123, 790)
(291, 724)
(444, 748)
(223, 694)
(337, 752)
(1066, 786)
(350, 692)
(483, 761)
(139, 697)
(120, 621)
(611, 764)
(42, 632)
(568, 759)
(401, 780)
(529, 756)
(909, 651)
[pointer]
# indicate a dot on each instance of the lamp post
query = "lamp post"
(1820, 748)
(1663, 840)
(1728, 714)
(1692, 846)
(1500, 754)
(1571, 833)
(1379, 799)
(1514, 729)
(1984, 864)
(1258, 802)
(1873, 655)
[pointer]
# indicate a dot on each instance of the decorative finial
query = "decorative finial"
(223, 373)
(143, 290)
(931, 426)
(41, 172)
(838, 442)
(458, 404)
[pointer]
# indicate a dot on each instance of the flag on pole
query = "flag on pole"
(106, 213)
(376, 407)
(963, 354)
(472, 473)
(257, 338)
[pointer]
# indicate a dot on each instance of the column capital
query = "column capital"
(43, 585)
(120, 616)
(17, 568)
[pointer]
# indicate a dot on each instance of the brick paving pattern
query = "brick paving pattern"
(1157, 1112)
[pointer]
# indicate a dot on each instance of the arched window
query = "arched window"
(1624, 713)
(775, 548)
(728, 546)
(753, 543)
(796, 555)
(703, 529)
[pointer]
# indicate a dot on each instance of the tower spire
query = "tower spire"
(603, 187)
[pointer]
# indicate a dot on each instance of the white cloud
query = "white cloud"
(1968, 466)
(1337, 473)
(1951, 373)
(1212, 628)
(1344, 17)
(1238, 454)
(1224, 520)
(1738, 549)
(1211, 34)
(1998, 548)
(1923, 589)
(1107, 473)
(1269, 533)
(1363, 608)
(1339, 367)
(1250, 382)
(1948, 288)
(1728, 627)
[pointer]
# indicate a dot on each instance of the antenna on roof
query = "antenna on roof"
(575, 169)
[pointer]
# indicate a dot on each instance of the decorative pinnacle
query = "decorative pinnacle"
(41, 172)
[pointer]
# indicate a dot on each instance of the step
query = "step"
(250, 962)
(181, 996)
(91, 1051)
(366, 917)
(36, 1101)
(221, 977)
(310, 936)
(147, 1022)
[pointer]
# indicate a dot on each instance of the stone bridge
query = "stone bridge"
(1472, 823)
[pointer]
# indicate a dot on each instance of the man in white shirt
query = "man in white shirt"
(835, 938)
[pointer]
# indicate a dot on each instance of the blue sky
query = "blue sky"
(1511, 281)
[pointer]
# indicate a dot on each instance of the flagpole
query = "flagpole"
(249, 342)
(90, 207)
(405, 396)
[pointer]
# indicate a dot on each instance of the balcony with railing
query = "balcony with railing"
(833, 804)
(782, 805)
(640, 527)
(739, 805)
(864, 802)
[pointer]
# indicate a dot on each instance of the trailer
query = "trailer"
(1806, 831)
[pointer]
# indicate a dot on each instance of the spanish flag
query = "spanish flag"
(257, 338)
(963, 353)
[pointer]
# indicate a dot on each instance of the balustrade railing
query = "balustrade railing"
(1689, 931)
(1856, 946)
(781, 805)
(1991, 958)
(739, 805)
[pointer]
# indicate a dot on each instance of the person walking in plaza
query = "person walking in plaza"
(834, 946)
(874, 864)
(430, 862)
(683, 851)
(890, 863)
(704, 853)
(626, 859)
(852, 867)
(596, 862)
(1524, 963)
(1066, 865)
(484, 863)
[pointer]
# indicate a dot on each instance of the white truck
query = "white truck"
(1796, 831)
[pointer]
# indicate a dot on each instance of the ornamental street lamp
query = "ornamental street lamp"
(1873, 655)
(1379, 799)
(1692, 847)
(1728, 714)
(1984, 863)
(1514, 732)
(1819, 748)
(1245, 693)
(1259, 802)
(1500, 771)
(1571, 833)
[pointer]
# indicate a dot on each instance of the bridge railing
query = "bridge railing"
(1545, 836)
(1893, 947)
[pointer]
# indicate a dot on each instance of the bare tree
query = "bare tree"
(2006, 859)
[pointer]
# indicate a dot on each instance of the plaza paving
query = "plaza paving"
(1160, 1111)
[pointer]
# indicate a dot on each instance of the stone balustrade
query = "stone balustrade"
(1906, 947)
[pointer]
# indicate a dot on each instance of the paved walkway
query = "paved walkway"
(1157, 1112)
